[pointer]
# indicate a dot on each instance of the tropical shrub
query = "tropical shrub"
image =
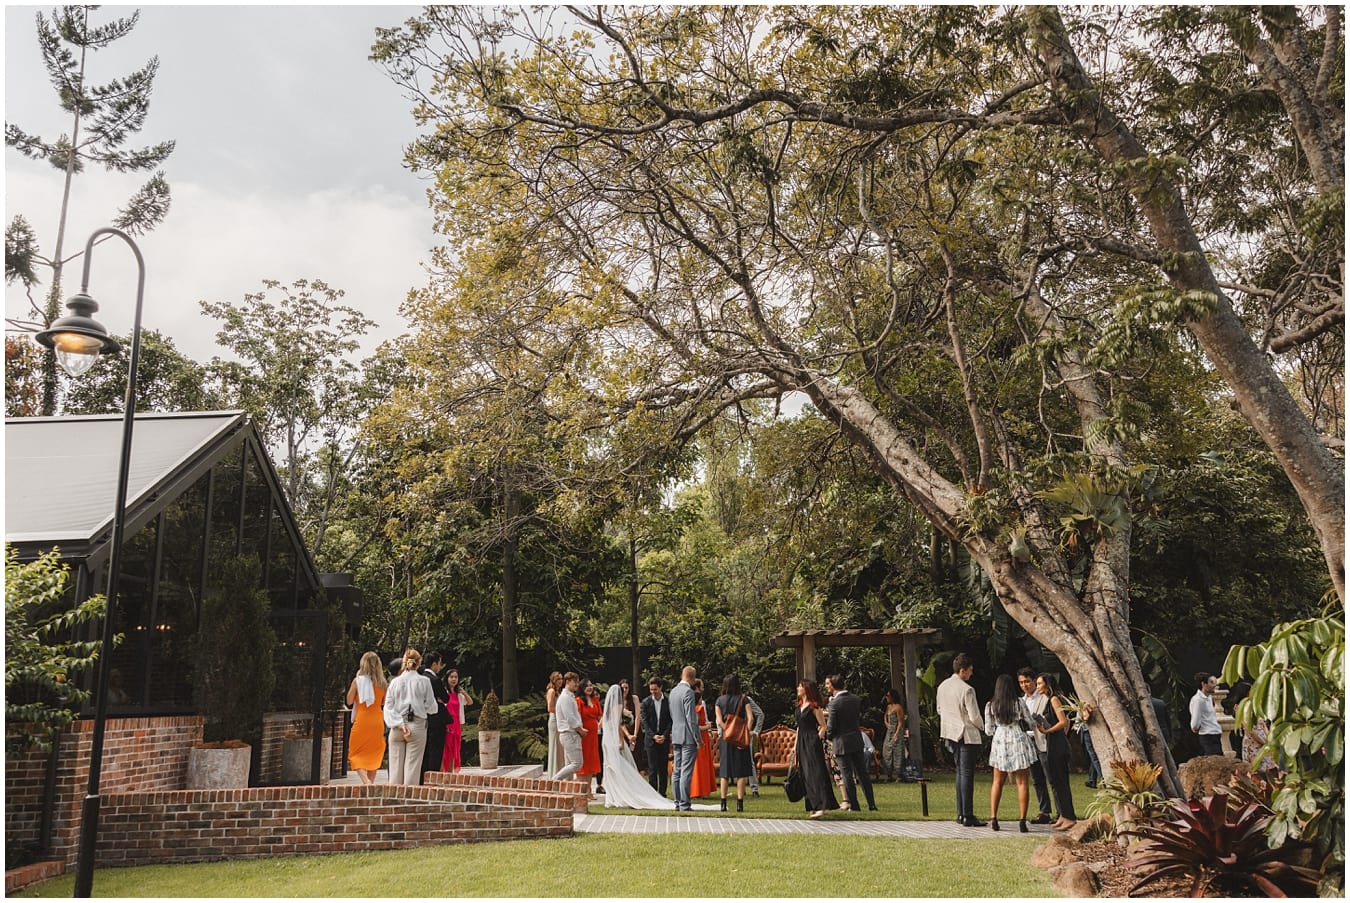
(1129, 793)
(1219, 847)
(233, 672)
(1298, 676)
(40, 663)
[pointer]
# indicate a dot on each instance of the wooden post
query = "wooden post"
(898, 673)
(808, 667)
(912, 701)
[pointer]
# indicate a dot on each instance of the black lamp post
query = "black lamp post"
(79, 340)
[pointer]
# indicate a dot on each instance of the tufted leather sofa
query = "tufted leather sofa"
(774, 751)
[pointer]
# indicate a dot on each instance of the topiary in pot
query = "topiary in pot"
(489, 731)
(232, 673)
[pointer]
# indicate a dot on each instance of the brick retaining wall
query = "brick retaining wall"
(509, 791)
(204, 825)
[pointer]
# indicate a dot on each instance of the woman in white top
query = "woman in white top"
(406, 706)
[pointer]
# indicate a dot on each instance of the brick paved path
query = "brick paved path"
(671, 824)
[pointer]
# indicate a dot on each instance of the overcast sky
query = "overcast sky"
(289, 164)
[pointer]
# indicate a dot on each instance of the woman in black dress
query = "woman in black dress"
(734, 761)
(1054, 725)
(810, 752)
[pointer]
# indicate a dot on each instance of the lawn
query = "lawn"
(895, 802)
(611, 865)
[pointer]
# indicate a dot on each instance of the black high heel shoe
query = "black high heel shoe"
(724, 804)
(993, 823)
(1022, 826)
(740, 804)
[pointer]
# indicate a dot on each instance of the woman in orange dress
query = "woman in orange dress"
(591, 709)
(703, 782)
(365, 748)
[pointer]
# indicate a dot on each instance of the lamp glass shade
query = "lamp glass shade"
(75, 352)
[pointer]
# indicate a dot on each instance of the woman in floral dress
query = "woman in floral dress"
(1007, 720)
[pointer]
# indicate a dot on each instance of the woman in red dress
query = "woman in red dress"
(591, 708)
(703, 782)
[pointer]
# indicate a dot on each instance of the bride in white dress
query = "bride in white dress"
(625, 787)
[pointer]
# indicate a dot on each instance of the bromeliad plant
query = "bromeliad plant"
(1219, 847)
(1129, 793)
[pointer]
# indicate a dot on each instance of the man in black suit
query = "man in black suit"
(656, 734)
(436, 723)
(843, 727)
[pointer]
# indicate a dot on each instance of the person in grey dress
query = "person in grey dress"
(734, 761)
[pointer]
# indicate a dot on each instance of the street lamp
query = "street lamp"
(78, 341)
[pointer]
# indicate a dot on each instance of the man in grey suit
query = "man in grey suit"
(843, 727)
(684, 736)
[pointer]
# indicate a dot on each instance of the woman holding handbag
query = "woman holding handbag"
(809, 754)
(734, 730)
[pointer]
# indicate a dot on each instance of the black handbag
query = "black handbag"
(794, 785)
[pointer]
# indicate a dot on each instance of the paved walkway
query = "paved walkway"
(695, 824)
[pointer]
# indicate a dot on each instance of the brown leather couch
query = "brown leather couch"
(773, 752)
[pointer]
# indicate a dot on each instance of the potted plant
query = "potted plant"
(489, 731)
(232, 676)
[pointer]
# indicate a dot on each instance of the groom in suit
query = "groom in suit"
(843, 727)
(684, 735)
(656, 735)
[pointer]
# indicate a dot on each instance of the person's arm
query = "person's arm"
(1061, 722)
(1195, 715)
(899, 724)
(721, 725)
(351, 693)
(821, 720)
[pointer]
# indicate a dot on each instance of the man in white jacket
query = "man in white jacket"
(963, 728)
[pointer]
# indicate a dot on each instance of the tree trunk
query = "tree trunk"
(510, 680)
(1089, 635)
(1262, 397)
(633, 598)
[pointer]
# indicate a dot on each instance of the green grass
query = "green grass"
(895, 802)
(610, 865)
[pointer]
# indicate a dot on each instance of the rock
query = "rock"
(1201, 775)
(1076, 879)
(1089, 829)
(1055, 851)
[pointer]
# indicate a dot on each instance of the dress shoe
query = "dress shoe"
(1042, 819)
(724, 804)
(975, 823)
(1063, 825)
(740, 804)
(1022, 826)
(871, 808)
(755, 793)
(993, 823)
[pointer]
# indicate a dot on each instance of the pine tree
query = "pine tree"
(103, 118)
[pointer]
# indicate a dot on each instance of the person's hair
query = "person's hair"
(453, 672)
(1004, 704)
(1202, 678)
(623, 680)
(372, 667)
(570, 675)
(731, 685)
(412, 659)
(698, 685)
(961, 662)
(893, 695)
(813, 696)
(689, 673)
(1049, 684)
(583, 683)
(553, 679)
(656, 682)
(432, 658)
(1027, 672)
(838, 681)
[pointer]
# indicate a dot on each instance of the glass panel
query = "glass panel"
(257, 508)
(281, 569)
(225, 506)
(133, 617)
(178, 602)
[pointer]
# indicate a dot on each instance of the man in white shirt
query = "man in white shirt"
(570, 730)
(963, 728)
(1026, 679)
(1204, 720)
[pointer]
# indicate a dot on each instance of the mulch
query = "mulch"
(1107, 858)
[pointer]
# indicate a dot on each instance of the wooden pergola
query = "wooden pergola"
(902, 646)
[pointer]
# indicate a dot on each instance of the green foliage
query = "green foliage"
(166, 380)
(1218, 846)
(1298, 687)
(1129, 794)
(233, 652)
(490, 715)
(41, 663)
(1094, 507)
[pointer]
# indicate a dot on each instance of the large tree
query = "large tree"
(891, 211)
(102, 119)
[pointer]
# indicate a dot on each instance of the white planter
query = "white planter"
(218, 767)
(296, 758)
(489, 748)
